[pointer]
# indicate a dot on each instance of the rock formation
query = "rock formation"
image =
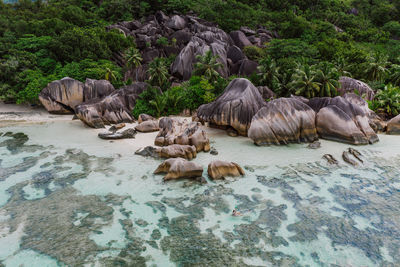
(128, 133)
(179, 168)
(62, 96)
(376, 123)
(218, 169)
(339, 120)
(393, 126)
(350, 85)
(173, 131)
(148, 126)
(113, 108)
(171, 151)
(236, 107)
(283, 121)
(188, 36)
(144, 117)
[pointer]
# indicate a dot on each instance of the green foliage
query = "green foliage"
(254, 52)
(269, 73)
(158, 73)
(162, 41)
(387, 101)
(208, 66)
(304, 82)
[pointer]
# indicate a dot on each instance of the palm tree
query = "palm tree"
(159, 103)
(327, 76)
(208, 66)
(158, 72)
(133, 59)
(342, 66)
(395, 74)
(110, 75)
(376, 67)
(269, 72)
(304, 82)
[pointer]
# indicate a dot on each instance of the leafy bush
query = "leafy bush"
(254, 52)
(387, 101)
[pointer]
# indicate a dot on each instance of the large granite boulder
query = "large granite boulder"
(148, 126)
(144, 117)
(171, 151)
(376, 123)
(236, 107)
(393, 126)
(235, 54)
(283, 121)
(176, 22)
(179, 168)
(112, 109)
(96, 89)
(61, 96)
(247, 67)
(219, 169)
(339, 120)
(173, 131)
(240, 39)
(350, 85)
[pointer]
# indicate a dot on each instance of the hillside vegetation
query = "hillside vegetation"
(318, 41)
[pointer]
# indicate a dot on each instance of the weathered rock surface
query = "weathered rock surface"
(350, 85)
(179, 168)
(112, 109)
(144, 117)
(376, 123)
(171, 151)
(265, 92)
(148, 126)
(283, 121)
(236, 107)
(116, 127)
(219, 169)
(62, 96)
(128, 133)
(393, 126)
(172, 131)
(189, 36)
(339, 120)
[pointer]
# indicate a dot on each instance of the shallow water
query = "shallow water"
(68, 198)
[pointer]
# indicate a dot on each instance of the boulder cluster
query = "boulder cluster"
(187, 36)
(344, 118)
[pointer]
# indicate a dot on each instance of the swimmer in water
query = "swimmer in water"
(236, 213)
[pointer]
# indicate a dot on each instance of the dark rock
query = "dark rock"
(239, 102)
(346, 158)
(240, 39)
(283, 121)
(148, 151)
(232, 132)
(149, 55)
(266, 92)
(128, 133)
(213, 151)
(161, 17)
(176, 22)
(314, 145)
(235, 54)
(247, 30)
(116, 127)
(182, 37)
(331, 160)
(356, 154)
(247, 67)
(96, 89)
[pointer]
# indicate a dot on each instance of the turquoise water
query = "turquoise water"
(68, 198)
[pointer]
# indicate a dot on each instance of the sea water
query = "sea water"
(68, 198)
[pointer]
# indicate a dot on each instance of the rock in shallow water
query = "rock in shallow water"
(183, 133)
(283, 121)
(128, 133)
(171, 151)
(236, 107)
(179, 168)
(218, 169)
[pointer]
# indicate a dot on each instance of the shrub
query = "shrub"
(387, 101)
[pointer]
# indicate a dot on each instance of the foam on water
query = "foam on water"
(297, 210)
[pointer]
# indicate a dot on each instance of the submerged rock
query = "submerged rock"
(350, 85)
(148, 126)
(356, 154)
(330, 159)
(314, 145)
(393, 126)
(283, 121)
(346, 158)
(172, 131)
(236, 107)
(114, 108)
(339, 120)
(128, 133)
(218, 169)
(179, 168)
